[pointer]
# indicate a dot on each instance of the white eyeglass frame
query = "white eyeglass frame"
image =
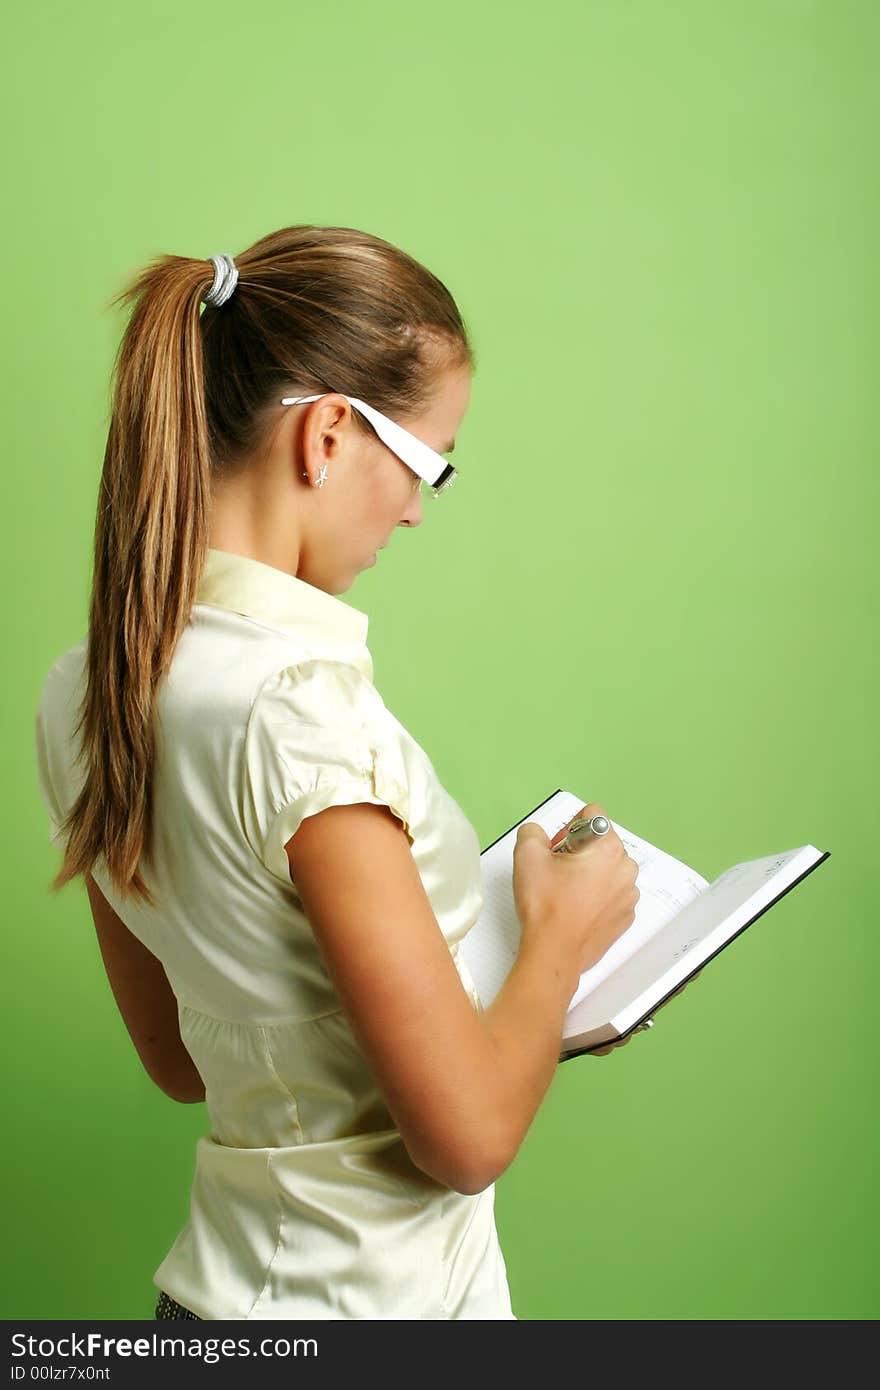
(430, 466)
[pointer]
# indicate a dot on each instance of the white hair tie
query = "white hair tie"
(225, 280)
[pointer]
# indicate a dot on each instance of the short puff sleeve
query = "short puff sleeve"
(44, 774)
(60, 774)
(319, 735)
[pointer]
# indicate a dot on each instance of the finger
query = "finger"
(680, 989)
(529, 830)
(612, 1047)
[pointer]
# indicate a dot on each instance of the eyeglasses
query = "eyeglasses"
(432, 467)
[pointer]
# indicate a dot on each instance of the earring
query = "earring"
(322, 475)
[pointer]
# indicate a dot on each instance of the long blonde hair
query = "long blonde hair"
(315, 309)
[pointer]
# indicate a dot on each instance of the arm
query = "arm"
(462, 1087)
(146, 1002)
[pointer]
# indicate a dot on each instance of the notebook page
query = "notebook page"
(490, 947)
(673, 953)
(666, 886)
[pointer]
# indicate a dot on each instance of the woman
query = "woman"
(279, 881)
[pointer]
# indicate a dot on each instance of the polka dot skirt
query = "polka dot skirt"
(167, 1308)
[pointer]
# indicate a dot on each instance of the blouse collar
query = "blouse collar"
(273, 596)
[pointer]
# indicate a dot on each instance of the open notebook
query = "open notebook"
(681, 922)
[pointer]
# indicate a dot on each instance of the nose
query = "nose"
(413, 513)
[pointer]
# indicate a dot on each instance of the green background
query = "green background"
(654, 583)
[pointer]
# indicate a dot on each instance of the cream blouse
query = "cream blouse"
(304, 1201)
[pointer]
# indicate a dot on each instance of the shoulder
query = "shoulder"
(317, 718)
(319, 735)
(319, 691)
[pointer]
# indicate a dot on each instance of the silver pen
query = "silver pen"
(581, 832)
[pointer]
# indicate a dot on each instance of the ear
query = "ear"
(327, 425)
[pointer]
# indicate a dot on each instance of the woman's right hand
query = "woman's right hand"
(586, 899)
